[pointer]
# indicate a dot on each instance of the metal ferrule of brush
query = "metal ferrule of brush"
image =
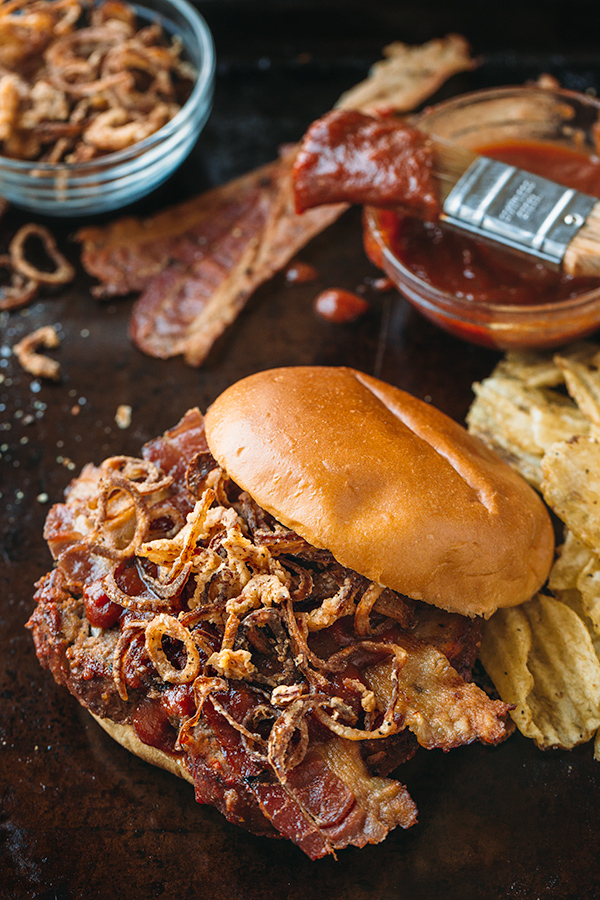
(499, 202)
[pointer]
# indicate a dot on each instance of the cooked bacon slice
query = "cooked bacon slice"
(328, 802)
(174, 450)
(408, 75)
(441, 709)
(384, 802)
(350, 157)
(195, 282)
(324, 810)
(250, 237)
(128, 254)
(197, 263)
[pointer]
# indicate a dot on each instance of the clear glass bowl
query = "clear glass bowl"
(120, 178)
(481, 119)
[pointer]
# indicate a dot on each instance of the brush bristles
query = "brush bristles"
(582, 256)
(450, 162)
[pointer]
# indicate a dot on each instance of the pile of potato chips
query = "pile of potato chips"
(541, 413)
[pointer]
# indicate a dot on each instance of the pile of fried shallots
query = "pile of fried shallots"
(78, 80)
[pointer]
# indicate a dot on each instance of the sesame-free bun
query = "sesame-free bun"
(392, 487)
(125, 735)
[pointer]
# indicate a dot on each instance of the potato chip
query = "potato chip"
(571, 486)
(510, 403)
(534, 418)
(574, 580)
(521, 423)
(582, 351)
(531, 368)
(572, 598)
(588, 585)
(504, 651)
(541, 658)
(573, 557)
(527, 464)
(582, 377)
(557, 420)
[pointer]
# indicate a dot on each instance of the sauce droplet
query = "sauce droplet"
(339, 305)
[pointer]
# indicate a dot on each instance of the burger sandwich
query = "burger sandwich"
(281, 601)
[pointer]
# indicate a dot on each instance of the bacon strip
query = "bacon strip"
(173, 451)
(441, 709)
(197, 263)
(253, 233)
(329, 800)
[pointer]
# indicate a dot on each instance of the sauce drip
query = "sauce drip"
(476, 271)
(338, 305)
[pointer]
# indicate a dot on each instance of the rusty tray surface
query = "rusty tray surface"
(80, 818)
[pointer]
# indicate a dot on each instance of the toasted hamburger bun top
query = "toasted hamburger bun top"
(392, 487)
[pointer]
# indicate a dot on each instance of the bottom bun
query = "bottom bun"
(125, 736)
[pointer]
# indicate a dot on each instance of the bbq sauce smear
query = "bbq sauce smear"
(486, 274)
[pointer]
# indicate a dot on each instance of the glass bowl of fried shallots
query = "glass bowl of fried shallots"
(100, 102)
(482, 292)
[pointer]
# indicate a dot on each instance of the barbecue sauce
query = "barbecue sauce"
(476, 271)
(340, 306)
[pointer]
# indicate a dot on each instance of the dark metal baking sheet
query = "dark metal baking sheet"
(79, 817)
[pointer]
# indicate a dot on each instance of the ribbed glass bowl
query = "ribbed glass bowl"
(118, 179)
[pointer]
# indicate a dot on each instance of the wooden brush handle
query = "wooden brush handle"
(582, 256)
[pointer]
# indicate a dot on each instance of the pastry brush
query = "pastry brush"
(499, 202)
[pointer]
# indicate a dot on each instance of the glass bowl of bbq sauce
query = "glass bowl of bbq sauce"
(484, 293)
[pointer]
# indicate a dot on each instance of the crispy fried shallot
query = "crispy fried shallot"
(249, 596)
(164, 624)
(20, 291)
(147, 477)
(38, 364)
(122, 518)
(26, 278)
(129, 632)
(362, 624)
(283, 754)
(63, 271)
